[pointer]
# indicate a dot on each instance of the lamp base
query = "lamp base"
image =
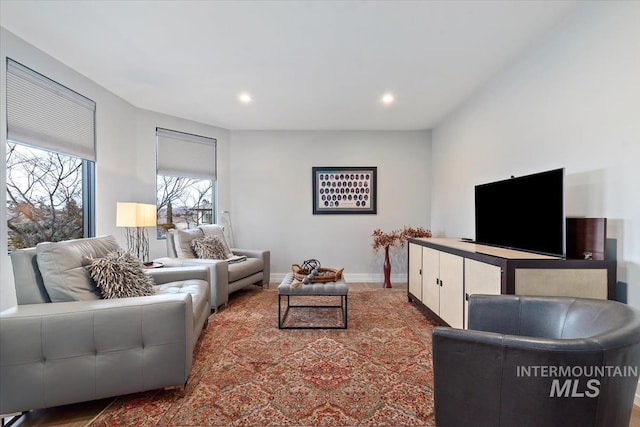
(138, 242)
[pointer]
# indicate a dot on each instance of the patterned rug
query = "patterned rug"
(247, 372)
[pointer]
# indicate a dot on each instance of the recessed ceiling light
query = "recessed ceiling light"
(387, 98)
(245, 98)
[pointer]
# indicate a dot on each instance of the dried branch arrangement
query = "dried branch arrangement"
(395, 238)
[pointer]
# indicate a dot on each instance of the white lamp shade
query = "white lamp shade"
(135, 215)
(147, 215)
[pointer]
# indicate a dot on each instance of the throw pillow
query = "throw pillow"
(211, 230)
(210, 247)
(182, 241)
(120, 274)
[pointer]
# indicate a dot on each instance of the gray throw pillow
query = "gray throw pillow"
(210, 247)
(62, 265)
(120, 274)
(182, 241)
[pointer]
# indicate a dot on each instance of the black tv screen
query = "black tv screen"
(525, 213)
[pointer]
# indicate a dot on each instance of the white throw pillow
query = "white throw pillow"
(182, 241)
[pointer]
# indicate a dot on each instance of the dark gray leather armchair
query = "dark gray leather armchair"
(538, 361)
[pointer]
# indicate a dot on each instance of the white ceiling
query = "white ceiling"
(309, 65)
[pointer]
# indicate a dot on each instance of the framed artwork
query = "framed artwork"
(344, 190)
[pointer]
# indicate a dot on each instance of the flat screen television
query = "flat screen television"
(524, 213)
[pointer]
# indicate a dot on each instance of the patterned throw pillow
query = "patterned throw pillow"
(210, 247)
(120, 274)
(211, 230)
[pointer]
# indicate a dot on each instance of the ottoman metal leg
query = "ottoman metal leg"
(345, 312)
(282, 317)
(343, 309)
(333, 289)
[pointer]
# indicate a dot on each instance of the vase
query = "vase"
(387, 268)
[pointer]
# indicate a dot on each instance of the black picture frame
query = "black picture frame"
(344, 190)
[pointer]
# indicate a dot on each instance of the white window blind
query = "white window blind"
(184, 154)
(45, 114)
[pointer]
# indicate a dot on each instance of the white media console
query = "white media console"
(444, 272)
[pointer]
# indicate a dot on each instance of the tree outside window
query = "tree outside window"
(183, 202)
(44, 196)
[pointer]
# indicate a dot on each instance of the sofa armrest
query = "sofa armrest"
(174, 274)
(218, 275)
(249, 253)
(265, 255)
(60, 353)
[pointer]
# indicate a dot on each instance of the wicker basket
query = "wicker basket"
(324, 274)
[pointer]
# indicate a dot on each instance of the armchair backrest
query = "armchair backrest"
(550, 317)
(179, 241)
(57, 265)
(171, 245)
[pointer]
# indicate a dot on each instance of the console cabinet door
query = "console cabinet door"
(431, 279)
(415, 270)
(480, 278)
(452, 289)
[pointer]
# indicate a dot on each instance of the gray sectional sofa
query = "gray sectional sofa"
(226, 277)
(55, 353)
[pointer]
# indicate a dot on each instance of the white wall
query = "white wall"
(271, 203)
(258, 175)
(571, 101)
(125, 145)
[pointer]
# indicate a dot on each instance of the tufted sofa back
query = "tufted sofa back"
(57, 267)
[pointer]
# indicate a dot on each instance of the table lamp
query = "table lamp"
(135, 217)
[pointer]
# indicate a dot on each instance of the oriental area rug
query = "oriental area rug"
(247, 372)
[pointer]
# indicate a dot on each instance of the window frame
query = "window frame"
(87, 172)
(34, 100)
(160, 232)
(185, 155)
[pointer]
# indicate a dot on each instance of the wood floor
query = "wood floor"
(76, 415)
(81, 414)
(635, 417)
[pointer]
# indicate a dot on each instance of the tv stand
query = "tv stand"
(444, 272)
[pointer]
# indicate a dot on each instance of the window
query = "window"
(50, 160)
(183, 202)
(186, 177)
(46, 197)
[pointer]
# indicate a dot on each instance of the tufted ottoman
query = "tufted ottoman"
(330, 289)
